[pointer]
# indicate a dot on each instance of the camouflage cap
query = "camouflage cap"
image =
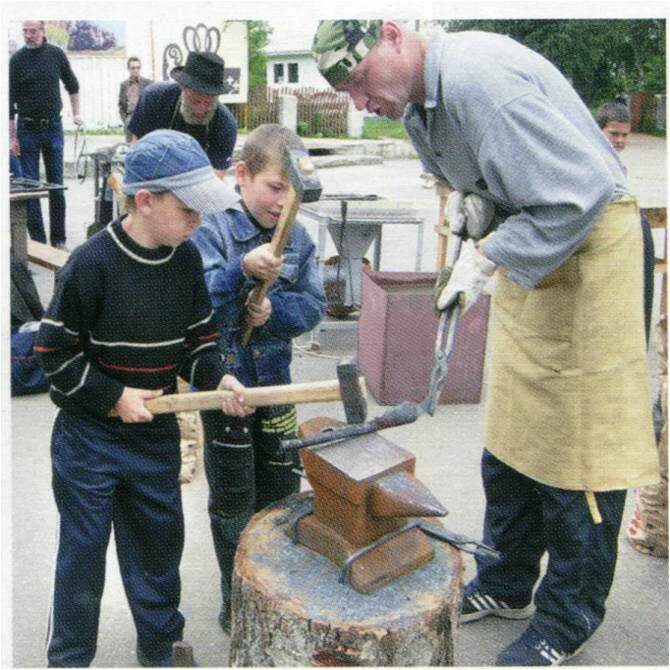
(339, 46)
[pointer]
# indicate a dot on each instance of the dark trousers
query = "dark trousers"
(523, 520)
(648, 269)
(245, 473)
(45, 139)
(125, 475)
(15, 166)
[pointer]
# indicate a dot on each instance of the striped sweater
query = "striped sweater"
(124, 315)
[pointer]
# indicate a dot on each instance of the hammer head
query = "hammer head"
(353, 397)
(302, 175)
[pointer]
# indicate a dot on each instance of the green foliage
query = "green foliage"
(258, 33)
(380, 128)
(654, 73)
(600, 57)
(318, 121)
(302, 128)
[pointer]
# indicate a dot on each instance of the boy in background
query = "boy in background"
(130, 313)
(613, 119)
(244, 468)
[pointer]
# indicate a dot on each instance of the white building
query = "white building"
(293, 69)
(289, 58)
(290, 62)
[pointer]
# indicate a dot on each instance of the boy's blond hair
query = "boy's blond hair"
(267, 145)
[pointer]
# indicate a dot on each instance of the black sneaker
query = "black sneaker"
(224, 617)
(476, 605)
(531, 649)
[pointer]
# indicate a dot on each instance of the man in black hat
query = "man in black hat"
(190, 104)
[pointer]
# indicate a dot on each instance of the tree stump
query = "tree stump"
(289, 609)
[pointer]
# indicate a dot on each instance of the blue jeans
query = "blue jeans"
(15, 166)
(524, 519)
(47, 140)
(126, 475)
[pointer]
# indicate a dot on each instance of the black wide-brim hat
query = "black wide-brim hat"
(203, 72)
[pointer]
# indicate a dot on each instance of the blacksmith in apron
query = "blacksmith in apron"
(568, 421)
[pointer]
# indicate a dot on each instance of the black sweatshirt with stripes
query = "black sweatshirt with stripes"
(124, 315)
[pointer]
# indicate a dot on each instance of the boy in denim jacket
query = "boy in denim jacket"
(244, 469)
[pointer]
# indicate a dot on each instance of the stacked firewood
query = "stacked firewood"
(192, 440)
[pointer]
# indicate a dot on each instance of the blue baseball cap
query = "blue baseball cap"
(167, 160)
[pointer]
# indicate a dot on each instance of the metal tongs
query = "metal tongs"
(444, 341)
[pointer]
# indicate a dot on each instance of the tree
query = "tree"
(602, 58)
(258, 33)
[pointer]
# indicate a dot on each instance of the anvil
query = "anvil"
(364, 492)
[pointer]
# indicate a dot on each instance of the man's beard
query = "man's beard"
(190, 118)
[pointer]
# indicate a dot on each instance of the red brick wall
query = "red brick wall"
(642, 104)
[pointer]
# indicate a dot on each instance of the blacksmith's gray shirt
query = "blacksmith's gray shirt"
(501, 121)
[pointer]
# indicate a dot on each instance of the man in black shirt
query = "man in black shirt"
(35, 73)
(190, 104)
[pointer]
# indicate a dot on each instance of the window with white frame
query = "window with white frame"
(292, 73)
(278, 72)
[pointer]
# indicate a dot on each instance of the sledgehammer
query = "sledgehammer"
(348, 387)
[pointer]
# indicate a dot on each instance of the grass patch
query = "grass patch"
(656, 132)
(381, 128)
(99, 131)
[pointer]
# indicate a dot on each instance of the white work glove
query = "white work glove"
(468, 215)
(470, 273)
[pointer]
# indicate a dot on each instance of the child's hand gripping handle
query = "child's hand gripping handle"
(305, 187)
(277, 244)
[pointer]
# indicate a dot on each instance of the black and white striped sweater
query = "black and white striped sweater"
(124, 315)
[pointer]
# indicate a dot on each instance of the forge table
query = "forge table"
(354, 222)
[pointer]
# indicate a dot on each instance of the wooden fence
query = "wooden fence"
(319, 112)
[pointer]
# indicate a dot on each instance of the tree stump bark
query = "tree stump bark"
(289, 609)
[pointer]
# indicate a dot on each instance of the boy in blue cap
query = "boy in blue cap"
(245, 470)
(130, 313)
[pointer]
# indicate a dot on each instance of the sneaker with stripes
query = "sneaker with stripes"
(531, 649)
(476, 605)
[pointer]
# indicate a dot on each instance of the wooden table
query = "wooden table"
(21, 190)
(658, 219)
(18, 216)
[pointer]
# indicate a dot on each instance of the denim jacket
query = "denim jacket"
(297, 296)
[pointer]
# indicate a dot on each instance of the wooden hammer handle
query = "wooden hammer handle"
(277, 245)
(443, 191)
(259, 396)
(116, 184)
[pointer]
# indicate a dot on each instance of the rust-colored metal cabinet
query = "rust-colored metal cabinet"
(396, 339)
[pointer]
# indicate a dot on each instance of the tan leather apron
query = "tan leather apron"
(569, 394)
